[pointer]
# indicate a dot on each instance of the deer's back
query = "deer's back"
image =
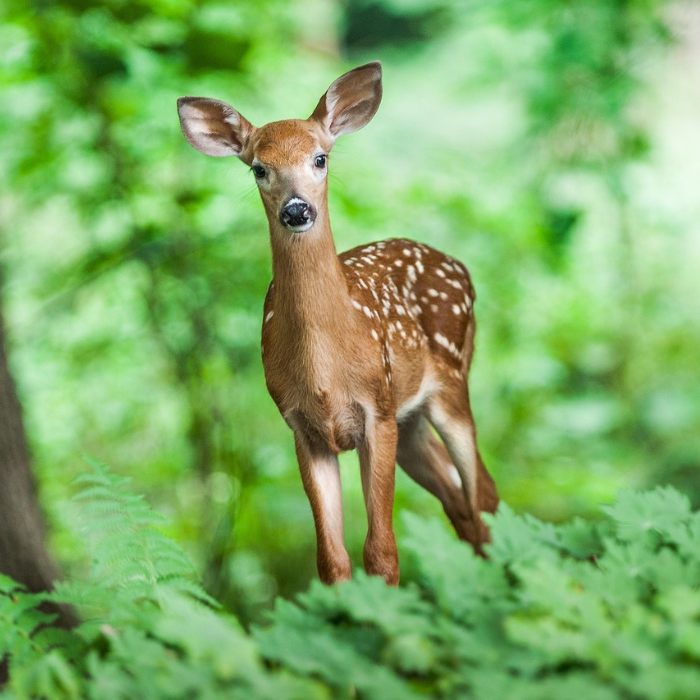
(424, 298)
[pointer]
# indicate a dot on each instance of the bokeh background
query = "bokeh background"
(554, 147)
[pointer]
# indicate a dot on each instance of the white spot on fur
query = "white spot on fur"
(441, 340)
(447, 344)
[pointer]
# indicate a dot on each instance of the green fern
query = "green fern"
(131, 558)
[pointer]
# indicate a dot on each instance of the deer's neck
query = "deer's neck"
(311, 295)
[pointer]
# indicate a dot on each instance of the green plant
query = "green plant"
(607, 609)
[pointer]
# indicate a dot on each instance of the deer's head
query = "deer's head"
(289, 158)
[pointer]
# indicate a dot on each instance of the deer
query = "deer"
(367, 350)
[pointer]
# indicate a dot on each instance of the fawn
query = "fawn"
(366, 350)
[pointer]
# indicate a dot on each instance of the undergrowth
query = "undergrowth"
(600, 610)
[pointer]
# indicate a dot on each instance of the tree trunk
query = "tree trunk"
(23, 555)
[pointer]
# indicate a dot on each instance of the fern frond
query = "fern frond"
(130, 555)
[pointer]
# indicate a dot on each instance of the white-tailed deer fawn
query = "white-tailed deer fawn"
(366, 350)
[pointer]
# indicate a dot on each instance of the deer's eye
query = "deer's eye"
(320, 161)
(258, 171)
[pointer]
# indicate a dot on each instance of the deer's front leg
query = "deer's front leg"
(378, 469)
(320, 475)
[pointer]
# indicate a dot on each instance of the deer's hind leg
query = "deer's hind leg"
(450, 414)
(424, 458)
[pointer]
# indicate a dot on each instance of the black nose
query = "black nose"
(296, 212)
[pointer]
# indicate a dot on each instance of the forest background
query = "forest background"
(552, 147)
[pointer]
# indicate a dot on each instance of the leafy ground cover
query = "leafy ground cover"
(604, 609)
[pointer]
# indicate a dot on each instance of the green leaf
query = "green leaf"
(638, 513)
(465, 585)
(579, 538)
(519, 538)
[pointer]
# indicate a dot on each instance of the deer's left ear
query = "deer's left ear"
(351, 101)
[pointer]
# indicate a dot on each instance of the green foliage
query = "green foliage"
(606, 609)
(148, 628)
(132, 560)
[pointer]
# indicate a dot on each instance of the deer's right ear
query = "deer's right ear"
(213, 127)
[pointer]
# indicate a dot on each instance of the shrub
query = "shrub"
(604, 609)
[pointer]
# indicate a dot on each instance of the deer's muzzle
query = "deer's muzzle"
(297, 215)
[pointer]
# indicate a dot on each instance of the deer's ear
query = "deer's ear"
(351, 101)
(213, 127)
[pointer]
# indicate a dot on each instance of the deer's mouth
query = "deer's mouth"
(301, 228)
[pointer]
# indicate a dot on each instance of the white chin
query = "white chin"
(302, 228)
